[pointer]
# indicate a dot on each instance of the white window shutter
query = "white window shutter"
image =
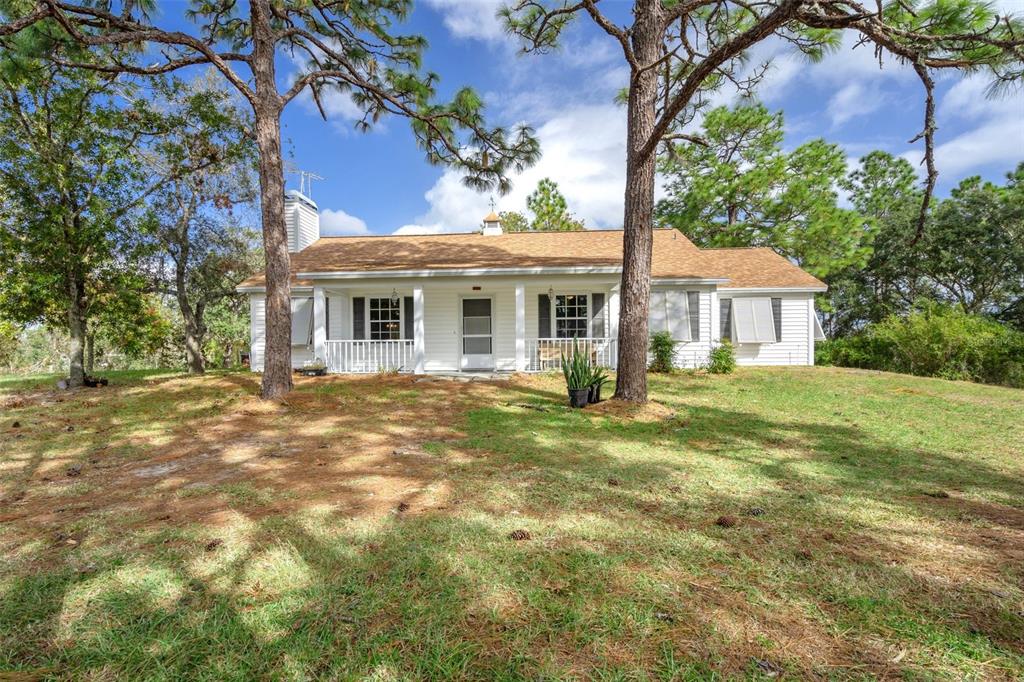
(764, 320)
(753, 321)
(302, 321)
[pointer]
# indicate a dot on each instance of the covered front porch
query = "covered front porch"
(453, 326)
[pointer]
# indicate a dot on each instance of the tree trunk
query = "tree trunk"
(277, 359)
(638, 238)
(192, 317)
(76, 330)
(194, 334)
(90, 352)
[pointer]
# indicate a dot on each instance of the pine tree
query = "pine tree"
(680, 52)
(350, 48)
(550, 210)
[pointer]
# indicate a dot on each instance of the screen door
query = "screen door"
(477, 340)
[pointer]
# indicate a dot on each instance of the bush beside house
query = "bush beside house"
(934, 341)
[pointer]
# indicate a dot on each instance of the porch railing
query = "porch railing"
(367, 357)
(543, 355)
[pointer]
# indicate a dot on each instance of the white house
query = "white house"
(511, 302)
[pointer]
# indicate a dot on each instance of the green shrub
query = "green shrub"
(935, 341)
(722, 359)
(663, 350)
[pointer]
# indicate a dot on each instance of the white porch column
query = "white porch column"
(418, 349)
(319, 324)
(613, 320)
(520, 327)
(613, 312)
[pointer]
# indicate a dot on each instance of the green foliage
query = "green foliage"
(514, 221)
(938, 341)
(227, 330)
(194, 224)
(973, 248)
(9, 342)
(72, 174)
(741, 189)
(663, 349)
(971, 252)
(550, 210)
(882, 189)
(576, 368)
(722, 359)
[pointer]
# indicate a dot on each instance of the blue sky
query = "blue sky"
(378, 183)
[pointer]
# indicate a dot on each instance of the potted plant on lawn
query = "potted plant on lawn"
(576, 370)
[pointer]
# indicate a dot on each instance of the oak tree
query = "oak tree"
(72, 180)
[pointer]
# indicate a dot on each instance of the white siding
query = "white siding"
(504, 328)
(338, 311)
(441, 300)
(309, 226)
(792, 348)
(441, 329)
(257, 331)
(302, 223)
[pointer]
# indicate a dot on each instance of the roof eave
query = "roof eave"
(799, 289)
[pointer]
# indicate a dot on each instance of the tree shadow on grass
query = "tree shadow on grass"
(625, 573)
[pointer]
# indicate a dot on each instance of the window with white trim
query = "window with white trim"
(571, 318)
(385, 319)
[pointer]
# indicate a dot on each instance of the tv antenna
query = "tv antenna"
(306, 178)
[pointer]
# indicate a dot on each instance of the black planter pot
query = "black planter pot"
(578, 397)
(595, 394)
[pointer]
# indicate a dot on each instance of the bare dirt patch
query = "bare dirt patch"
(355, 444)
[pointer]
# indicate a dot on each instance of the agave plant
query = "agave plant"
(576, 369)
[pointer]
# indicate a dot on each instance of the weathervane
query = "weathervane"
(306, 178)
(492, 203)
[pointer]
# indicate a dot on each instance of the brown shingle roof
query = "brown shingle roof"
(757, 267)
(675, 256)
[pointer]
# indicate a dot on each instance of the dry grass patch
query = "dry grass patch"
(384, 527)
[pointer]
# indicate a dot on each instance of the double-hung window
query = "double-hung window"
(571, 318)
(385, 318)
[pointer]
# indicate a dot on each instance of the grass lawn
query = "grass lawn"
(786, 523)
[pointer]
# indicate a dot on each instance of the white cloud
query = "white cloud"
(853, 100)
(999, 141)
(334, 223)
(850, 65)
(583, 151)
(476, 19)
(995, 139)
(968, 99)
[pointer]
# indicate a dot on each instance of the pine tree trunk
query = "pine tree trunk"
(277, 359)
(638, 238)
(76, 331)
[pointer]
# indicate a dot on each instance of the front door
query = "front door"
(477, 340)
